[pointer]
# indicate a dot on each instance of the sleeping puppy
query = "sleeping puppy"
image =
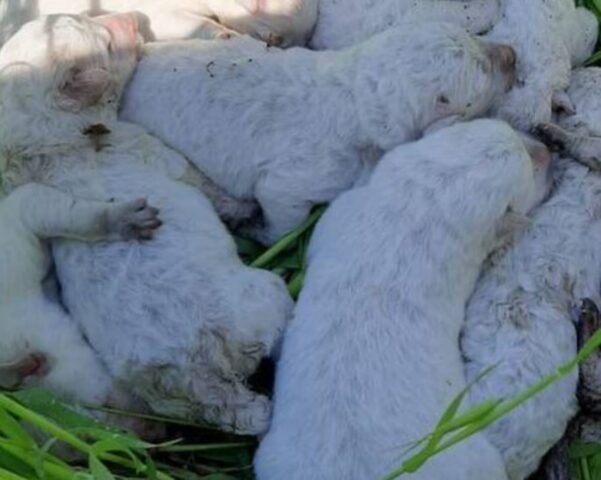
(550, 38)
(295, 128)
(519, 317)
(281, 23)
(40, 343)
(180, 321)
(391, 266)
(345, 23)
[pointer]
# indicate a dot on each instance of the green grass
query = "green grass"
(33, 424)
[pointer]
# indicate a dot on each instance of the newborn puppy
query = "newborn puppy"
(295, 128)
(519, 318)
(279, 22)
(39, 343)
(345, 23)
(180, 321)
(550, 37)
(371, 359)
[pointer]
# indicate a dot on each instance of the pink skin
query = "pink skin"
(123, 28)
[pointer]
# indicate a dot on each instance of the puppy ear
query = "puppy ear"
(252, 6)
(83, 88)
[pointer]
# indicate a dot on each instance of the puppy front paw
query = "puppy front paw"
(133, 220)
(553, 136)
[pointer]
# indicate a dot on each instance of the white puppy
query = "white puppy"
(279, 22)
(294, 128)
(519, 318)
(180, 320)
(371, 359)
(40, 344)
(345, 23)
(550, 37)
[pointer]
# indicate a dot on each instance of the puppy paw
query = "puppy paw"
(133, 220)
(553, 136)
(254, 417)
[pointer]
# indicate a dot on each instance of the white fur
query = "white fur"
(519, 316)
(550, 37)
(342, 23)
(34, 324)
(294, 128)
(283, 22)
(585, 93)
(371, 359)
(179, 320)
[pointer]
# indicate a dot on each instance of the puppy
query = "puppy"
(40, 344)
(519, 318)
(295, 128)
(342, 24)
(522, 308)
(391, 265)
(180, 321)
(280, 22)
(550, 37)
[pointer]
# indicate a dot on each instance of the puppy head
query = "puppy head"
(280, 23)
(417, 79)
(486, 171)
(71, 64)
(476, 74)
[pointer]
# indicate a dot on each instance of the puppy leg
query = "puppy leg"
(476, 16)
(586, 150)
(233, 211)
(49, 213)
(282, 212)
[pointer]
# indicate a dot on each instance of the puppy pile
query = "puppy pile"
(455, 240)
